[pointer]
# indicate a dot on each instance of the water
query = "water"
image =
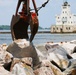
(41, 38)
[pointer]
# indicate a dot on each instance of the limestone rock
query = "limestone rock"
(40, 54)
(73, 55)
(71, 70)
(73, 42)
(57, 54)
(74, 51)
(4, 72)
(55, 70)
(69, 47)
(4, 55)
(21, 52)
(44, 71)
(26, 60)
(19, 67)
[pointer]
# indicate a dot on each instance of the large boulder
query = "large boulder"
(58, 54)
(22, 48)
(69, 47)
(53, 69)
(4, 55)
(71, 70)
(44, 71)
(22, 66)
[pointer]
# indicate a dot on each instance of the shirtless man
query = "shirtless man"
(29, 17)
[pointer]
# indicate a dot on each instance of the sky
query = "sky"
(46, 14)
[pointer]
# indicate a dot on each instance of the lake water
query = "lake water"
(41, 38)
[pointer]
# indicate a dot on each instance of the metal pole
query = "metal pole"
(34, 4)
(28, 4)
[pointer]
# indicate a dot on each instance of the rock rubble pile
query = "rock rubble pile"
(23, 58)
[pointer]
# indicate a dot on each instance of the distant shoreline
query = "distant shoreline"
(8, 32)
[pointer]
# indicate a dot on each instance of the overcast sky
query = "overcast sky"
(46, 14)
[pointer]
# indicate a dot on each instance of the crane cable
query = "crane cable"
(43, 5)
